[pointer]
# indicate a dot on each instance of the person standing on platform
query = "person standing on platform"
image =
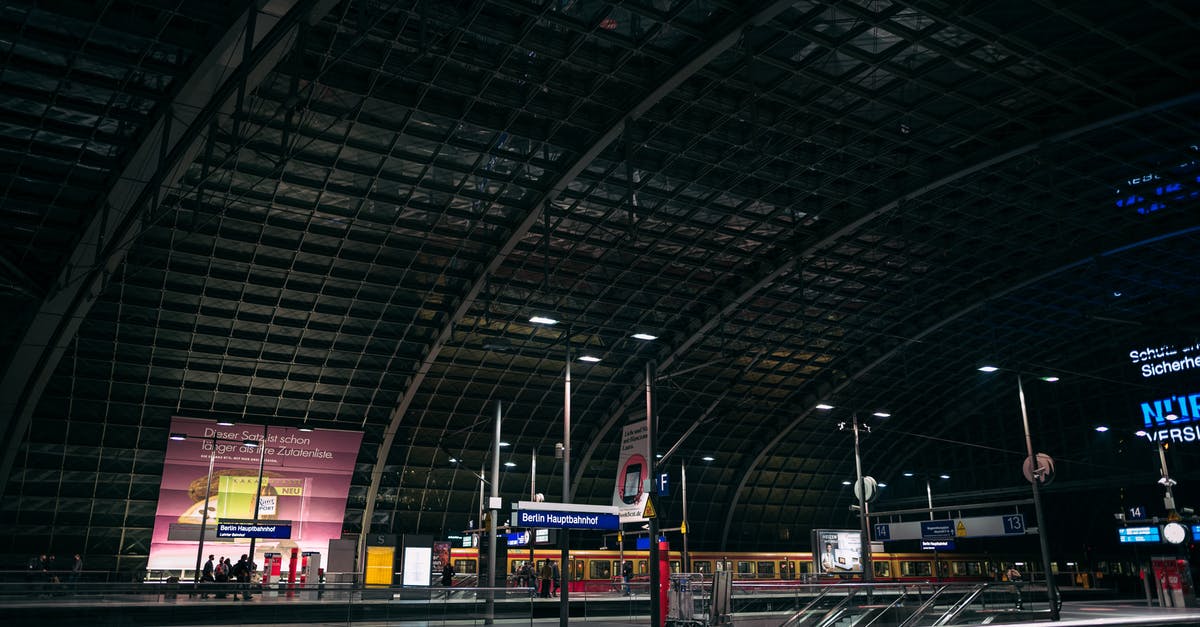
(1014, 577)
(206, 576)
(627, 576)
(76, 571)
(447, 575)
(546, 574)
(554, 576)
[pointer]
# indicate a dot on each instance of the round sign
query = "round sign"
(866, 489)
(1044, 471)
(1174, 533)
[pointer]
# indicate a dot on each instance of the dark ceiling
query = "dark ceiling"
(343, 214)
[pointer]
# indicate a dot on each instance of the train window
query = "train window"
(806, 568)
(702, 566)
(464, 567)
(916, 569)
(675, 567)
(787, 570)
(882, 569)
(601, 569)
(642, 567)
(516, 565)
(966, 569)
(766, 570)
(745, 569)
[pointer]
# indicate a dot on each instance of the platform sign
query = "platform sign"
(937, 530)
(664, 485)
(883, 531)
(1139, 535)
(274, 529)
(1014, 524)
(1137, 512)
(566, 516)
(937, 545)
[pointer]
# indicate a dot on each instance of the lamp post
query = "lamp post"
(1036, 478)
(212, 460)
(861, 489)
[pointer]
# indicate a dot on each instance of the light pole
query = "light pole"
(928, 489)
(1036, 478)
(863, 489)
(212, 460)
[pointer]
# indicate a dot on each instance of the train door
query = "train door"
(787, 569)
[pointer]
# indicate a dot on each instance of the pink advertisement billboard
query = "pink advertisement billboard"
(305, 480)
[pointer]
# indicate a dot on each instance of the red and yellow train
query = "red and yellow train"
(598, 570)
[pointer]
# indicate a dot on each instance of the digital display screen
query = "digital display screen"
(1137, 535)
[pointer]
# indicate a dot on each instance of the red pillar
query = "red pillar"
(664, 579)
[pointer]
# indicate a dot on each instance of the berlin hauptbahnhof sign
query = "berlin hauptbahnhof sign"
(566, 516)
(276, 529)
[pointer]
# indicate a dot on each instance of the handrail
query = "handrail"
(960, 605)
(804, 610)
(900, 599)
(799, 618)
(916, 616)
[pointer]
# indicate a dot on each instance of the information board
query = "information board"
(1138, 535)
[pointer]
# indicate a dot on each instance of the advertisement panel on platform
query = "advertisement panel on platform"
(305, 481)
(629, 495)
(837, 551)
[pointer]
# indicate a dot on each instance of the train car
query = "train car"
(599, 570)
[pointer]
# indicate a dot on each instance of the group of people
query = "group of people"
(546, 573)
(224, 572)
(45, 568)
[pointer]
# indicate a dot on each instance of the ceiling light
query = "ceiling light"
(504, 444)
(659, 455)
(224, 423)
(305, 429)
(1141, 434)
(453, 460)
(1050, 379)
(824, 406)
(644, 336)
(908, 474)
(1102, 428)
(988, 368)
(882, 485)
(845, 483)
(250, 443)
(589, 358)
(178, 436)
(510, 464)
(709, 458)
(543, 320)
(882, 414)
(945, 476)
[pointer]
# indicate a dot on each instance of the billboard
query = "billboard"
(305, 481)
(633, 468)
(837, 551)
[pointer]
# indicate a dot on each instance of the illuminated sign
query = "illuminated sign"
(937, 545)
(567, 520)
(837, 551)
(276, 529)
(1150, 192)
(1166, 359)
(517, 539)
(1138, 535)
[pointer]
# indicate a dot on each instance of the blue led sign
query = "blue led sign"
(937, 545)
(1138, 535)
(567, 520)
(280, 530)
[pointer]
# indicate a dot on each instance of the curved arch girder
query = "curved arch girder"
(254, 44)
(730, 35)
